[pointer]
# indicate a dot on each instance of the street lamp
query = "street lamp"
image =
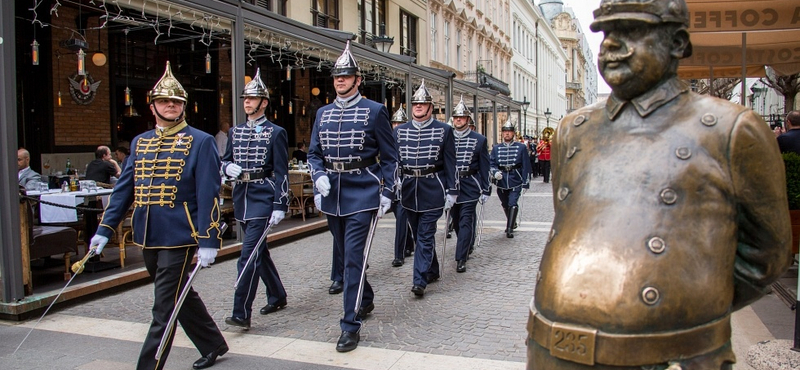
(547, 114)
(383, 42)
(524, 105)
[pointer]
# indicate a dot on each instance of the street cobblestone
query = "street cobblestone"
(481, 313)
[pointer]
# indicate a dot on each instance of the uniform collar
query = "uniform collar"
(422, 124)
(348, 102)
(170, 131)
(650, 101)
(462, 134)
(257, 121)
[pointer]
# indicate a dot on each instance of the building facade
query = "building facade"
(538, 68)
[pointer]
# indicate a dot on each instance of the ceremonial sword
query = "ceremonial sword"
(373, 225)
(174, 316)
(76, 268)
(253, 253)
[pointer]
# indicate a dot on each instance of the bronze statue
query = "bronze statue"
(670, 211)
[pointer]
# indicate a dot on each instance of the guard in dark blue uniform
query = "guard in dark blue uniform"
(429, 181)
(354, 187)
(173, 184)
(257, 158)
(403, 238)
(472, 161)
(511, 168)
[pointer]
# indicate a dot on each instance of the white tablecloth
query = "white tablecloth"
(54, 214)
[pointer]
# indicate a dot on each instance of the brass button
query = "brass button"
(650, 295)
(669, 196)
(709, 119)
(579, 120)
(656, 245)
(683, 153)
(572, 152)
(562, 193)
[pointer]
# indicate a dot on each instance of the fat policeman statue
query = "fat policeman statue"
(670, 211)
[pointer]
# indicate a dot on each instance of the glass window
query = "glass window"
(446, 43)
(408, 34)
(433, 36)
(326, 13)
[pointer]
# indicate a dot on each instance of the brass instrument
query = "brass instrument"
(547, 134)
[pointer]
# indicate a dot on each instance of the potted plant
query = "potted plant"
(791, 162)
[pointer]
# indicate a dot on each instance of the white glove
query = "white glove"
(233, 170)
(100, 242)
(318, 201)
(483, 198)
(498, 175)
(206, 256)
(276, 218)
(386, 203)
(323, 185)
(449, 200)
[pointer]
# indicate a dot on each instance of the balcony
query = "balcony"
(574, 85)
(486, 80)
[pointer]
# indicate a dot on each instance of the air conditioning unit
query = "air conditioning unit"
(74, 44)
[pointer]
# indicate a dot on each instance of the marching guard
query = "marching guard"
(354, 188)
(510, 167)
(403, 238)
(173, 184)
(257, 158)
(472, 161)
(429, 181)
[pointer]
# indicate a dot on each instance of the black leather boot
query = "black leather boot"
(512, 217)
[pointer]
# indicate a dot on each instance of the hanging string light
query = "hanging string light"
(290, 107)
(208, 62)
(81, 63)
(195, 107)
(128, 101)
(35, 51)
(58, 73)
(288, 73)
(221, 99)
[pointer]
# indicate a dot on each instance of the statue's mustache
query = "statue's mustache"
(606, 57)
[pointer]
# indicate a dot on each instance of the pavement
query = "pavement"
(472, 320)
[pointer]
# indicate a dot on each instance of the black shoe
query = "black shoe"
(509, 234)
(364, 311)
(268, 309)
(235, 321)
(449, 235)
(397, 262)
(418, 291)
(471, 249)
(430, 278)
(209, 359)
(336, 287)
(347, 341)
(408, 253)
(462, 266)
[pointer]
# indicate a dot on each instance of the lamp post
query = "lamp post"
(383, 42)
(547, 114)
(525, 104)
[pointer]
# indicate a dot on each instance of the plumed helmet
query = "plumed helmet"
(648, 11)
(346, 65)
(256, 88)
(422, 96)
(400, 116)
(168, 87)
(461, 109)
(508, 126)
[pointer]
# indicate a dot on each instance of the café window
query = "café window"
(408, 34)
(325, 13)
(371, 14)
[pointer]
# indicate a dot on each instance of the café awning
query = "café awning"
(733, 38)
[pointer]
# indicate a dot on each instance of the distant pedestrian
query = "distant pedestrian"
(789, 142)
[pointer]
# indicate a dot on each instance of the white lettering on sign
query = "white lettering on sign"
(738, 19)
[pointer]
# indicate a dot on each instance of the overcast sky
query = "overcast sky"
(583, 10)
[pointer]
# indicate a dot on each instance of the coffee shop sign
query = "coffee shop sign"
(744, 17)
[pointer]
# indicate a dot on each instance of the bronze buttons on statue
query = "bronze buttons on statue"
(709, 119)
(669, 196)
(579, 120)
(656, 245)
(683, 153)
(650, 295)
(563, 193)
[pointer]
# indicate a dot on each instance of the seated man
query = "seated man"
(28, 178)
(300, 154)
(103, 167)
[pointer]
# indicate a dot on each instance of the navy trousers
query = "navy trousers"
(261, 267)
(337, 263)
(423, 226)
(170, 269)
(350, 233)
(464, 221)
(403, 239)
(509, 197)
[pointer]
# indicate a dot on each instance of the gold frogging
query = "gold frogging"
(165, 171)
